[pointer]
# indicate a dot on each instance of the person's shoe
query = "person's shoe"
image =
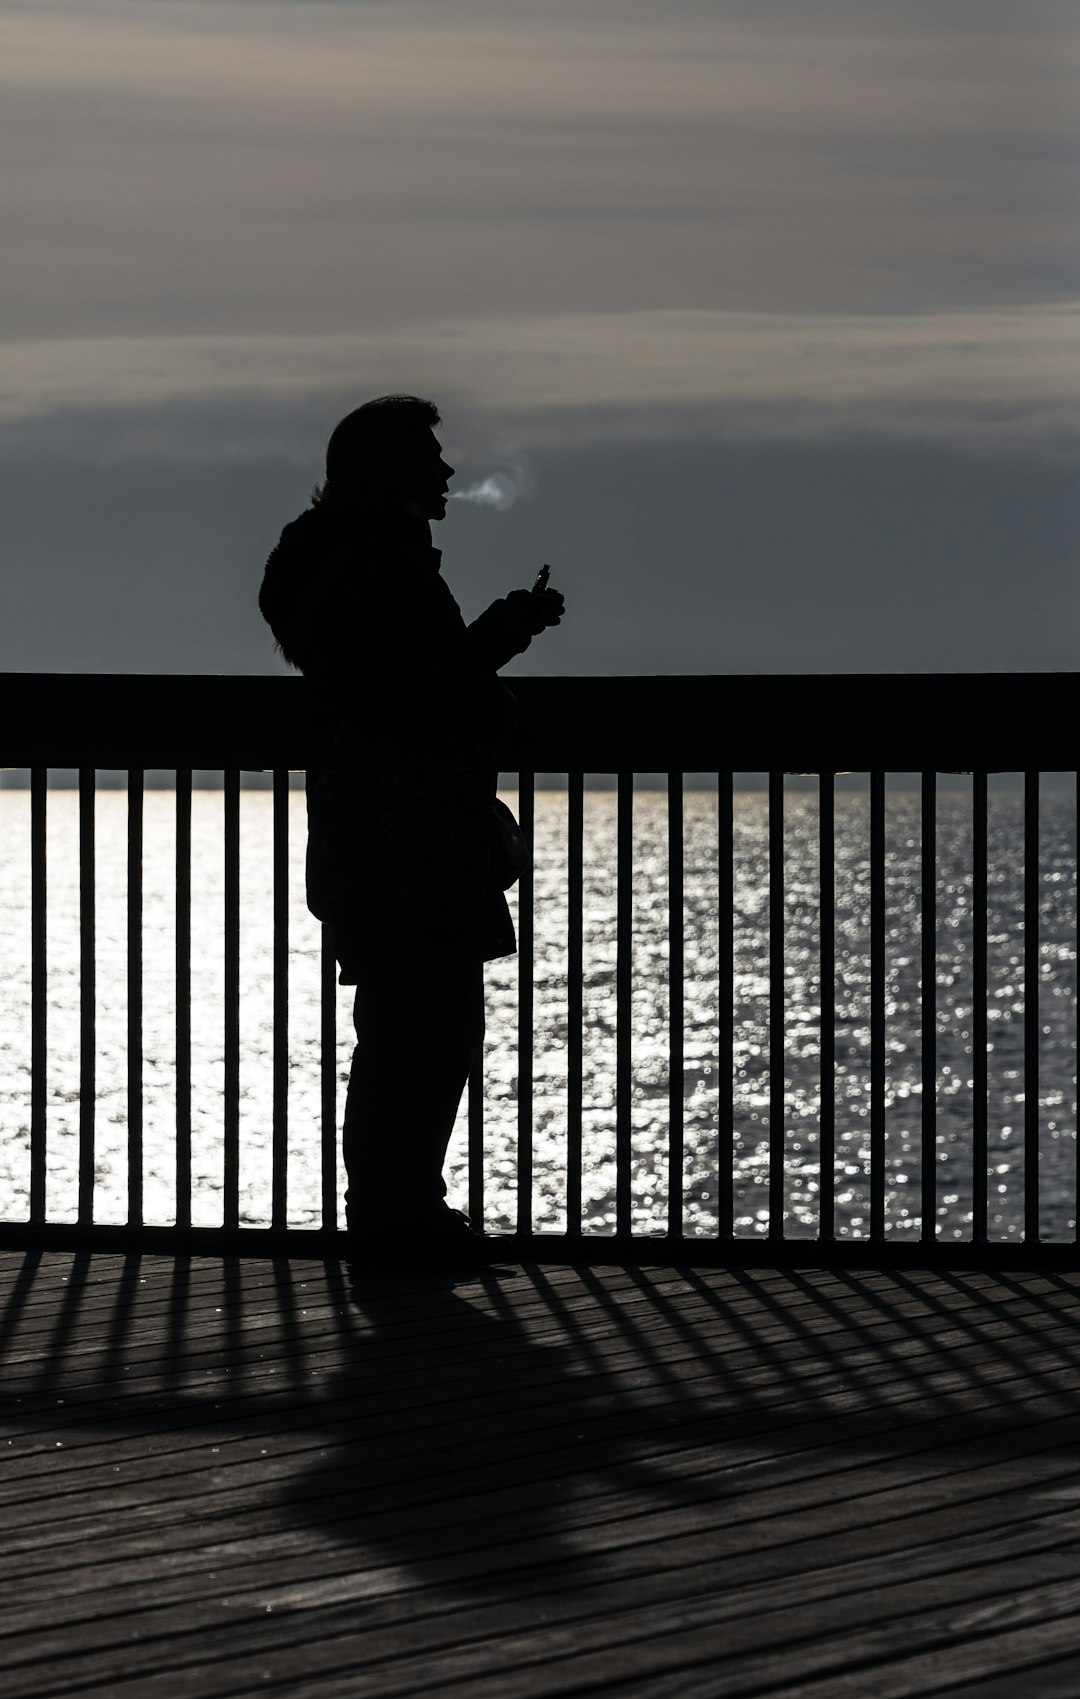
(447, 1242)
(453, 1225)
(451, 1242)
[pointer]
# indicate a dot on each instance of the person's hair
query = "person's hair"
(364, 446)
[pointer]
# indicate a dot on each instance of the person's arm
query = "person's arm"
(508, 627)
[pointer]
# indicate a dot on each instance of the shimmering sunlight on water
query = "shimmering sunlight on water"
(703, 1012)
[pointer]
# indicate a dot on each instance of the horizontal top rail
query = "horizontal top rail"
(897, 722)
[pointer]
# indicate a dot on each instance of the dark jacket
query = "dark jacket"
(400, 793)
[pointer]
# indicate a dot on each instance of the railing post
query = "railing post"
(39, 993)
(929, 1007)
(675, 1004)
(328, 1142)
(877, 1007)
(827, 975)
(978, 1007)
(526, 815)
(777, 1059)
(134, 996)
(725, 976)
(1031, 1008)
(231, 1175)
(624, 946)
(575, 857)
(280, 1133)
(87, 995)
(183, 997)
(475, 1112)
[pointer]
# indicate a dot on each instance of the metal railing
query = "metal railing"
(664, 727)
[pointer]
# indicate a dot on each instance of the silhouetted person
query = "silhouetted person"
(406, 863)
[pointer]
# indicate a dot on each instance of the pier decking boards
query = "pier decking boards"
(244, 1476)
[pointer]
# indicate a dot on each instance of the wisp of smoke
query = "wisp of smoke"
(499, 490)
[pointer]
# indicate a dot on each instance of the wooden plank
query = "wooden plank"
(199, 1288)
(687, 1617)
(169, 1333)
(456, 1590)
(539, 1658)
(435, 1587)
(136, 1533)
(294, 1583)
(84, 1395)
(166, 1474)
(291, 1415)
(550, 1390)
(1045, 1360)
(748, 1467)
(1052, 1679)
(160, 1462)
(895, 1676)
(209, 1340)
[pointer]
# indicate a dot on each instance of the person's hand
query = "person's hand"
(537, 609)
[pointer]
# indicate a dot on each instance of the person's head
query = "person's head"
(387, 450)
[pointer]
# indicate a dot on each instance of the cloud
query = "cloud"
(178, 167)
(989, 378)
(771, 63)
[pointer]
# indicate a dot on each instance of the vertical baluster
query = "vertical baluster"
(827, 969)
(776, 1005)
(183, 997)
(624, 913)
(475, 1113)
(232, 998)
(929, 1007)
(476, 1139)
(280, 1137)
(877, 1007)
(675, 1004)
(525, 1016)
(725, 974)
(39, 991)
(328, 1078)
(1031, 1008)
(575, 869)
(134, 996)
(978, 1007)
(87, 995)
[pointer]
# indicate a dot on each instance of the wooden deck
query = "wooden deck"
(247, 1477)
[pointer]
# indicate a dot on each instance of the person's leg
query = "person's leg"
(418, 1026)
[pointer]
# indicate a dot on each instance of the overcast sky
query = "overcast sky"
(770, 307)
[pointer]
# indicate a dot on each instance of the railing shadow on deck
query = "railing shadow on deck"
(665, 727)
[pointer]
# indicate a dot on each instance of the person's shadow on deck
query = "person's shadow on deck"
(490, 1438)
(478, 1439)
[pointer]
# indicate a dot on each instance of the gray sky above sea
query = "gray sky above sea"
(767, 309)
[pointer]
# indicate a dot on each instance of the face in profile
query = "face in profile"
(427, 478)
